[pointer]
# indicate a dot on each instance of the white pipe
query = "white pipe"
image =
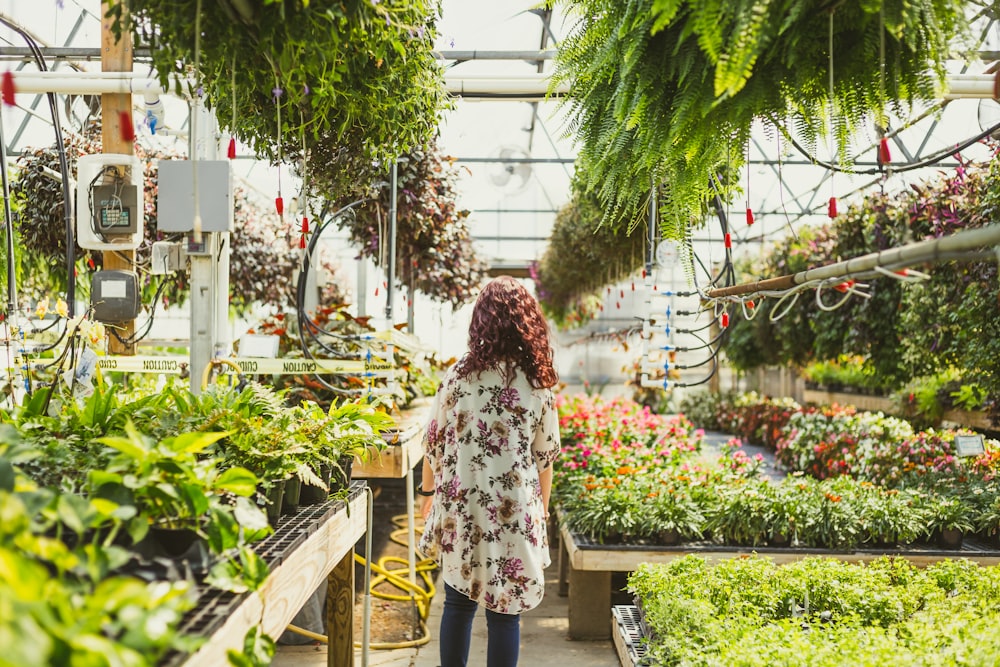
(530, 84)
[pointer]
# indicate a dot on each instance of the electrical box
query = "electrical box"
(114, 296)
(166, 258)
(175, 195)
(109, 203)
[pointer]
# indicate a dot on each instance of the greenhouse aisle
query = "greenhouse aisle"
(543, 641)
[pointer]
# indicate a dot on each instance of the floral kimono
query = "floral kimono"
(486, 443)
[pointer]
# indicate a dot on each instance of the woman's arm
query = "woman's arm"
(426, 484)
(545, 479)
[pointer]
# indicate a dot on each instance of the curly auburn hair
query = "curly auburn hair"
(508, 331)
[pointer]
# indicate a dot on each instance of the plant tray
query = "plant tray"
(213, 606)
(628, 634)
(588, 554)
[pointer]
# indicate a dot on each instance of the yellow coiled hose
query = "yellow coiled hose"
(398, 577)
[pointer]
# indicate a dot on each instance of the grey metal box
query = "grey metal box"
(175, 196)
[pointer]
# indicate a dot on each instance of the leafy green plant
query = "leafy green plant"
(969, 397)
(172, 485)
(582, 257)
(949, 513)
(357, 82)
(666, 92)
(752, 612)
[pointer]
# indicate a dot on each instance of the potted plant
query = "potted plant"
(177, 489)
(890, 517)
(672, 515)
(740, 517)
(949, 518)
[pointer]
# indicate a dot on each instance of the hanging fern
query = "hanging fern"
(582, 257)
(668, 89)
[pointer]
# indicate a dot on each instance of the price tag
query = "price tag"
(969, 445)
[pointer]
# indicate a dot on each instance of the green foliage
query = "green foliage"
(666, 91)
(584, 254)
(905, 330)
(356, 82)
(750, 612)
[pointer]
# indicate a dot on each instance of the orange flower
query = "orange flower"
(626, 470)
(832, 498)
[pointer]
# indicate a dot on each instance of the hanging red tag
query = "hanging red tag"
(884, 156)
(232, 148)
(279, 205)
(644, 273)
(844, 286)
(750, 304)
(831, 208)
(90, 262)
(618, 305)
(633, 285)
(8, 88)
(305, 225)
(621, 294)
(729, 241)
(125, 126)
(724, 320)
(302, 242)
(749, 216)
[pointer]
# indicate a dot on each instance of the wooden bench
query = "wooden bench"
(585, 569)
(314, 545)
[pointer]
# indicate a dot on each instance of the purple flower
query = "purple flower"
(277, 92)
(200, 91)
(509, 397)
(305, 89)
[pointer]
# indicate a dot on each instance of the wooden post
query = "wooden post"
(340, 613)
(116, 56)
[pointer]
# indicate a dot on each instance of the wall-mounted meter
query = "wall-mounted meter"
(109, 203)
(114, 296)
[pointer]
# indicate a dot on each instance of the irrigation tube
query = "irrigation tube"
(932, 250)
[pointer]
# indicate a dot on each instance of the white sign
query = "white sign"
(969, 445)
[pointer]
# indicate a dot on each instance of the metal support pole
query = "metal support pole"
(390, 263)
(411, 532)
(366, 608)
(209, 266)
(9, 226)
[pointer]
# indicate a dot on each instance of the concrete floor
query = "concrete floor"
(543, 641)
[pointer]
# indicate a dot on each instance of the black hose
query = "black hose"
(63, 171)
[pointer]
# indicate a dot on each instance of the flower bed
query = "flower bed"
(629, 476)
(749, 611)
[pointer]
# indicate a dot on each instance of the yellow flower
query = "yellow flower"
(41, 309)
(62, 310)
(92, 332)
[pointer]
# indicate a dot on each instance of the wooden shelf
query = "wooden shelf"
(286, 589)
(860, 401)
(405, 448)
(588, 567)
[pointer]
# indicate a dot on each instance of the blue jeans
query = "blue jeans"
(503, 633)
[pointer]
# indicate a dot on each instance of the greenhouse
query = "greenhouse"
(427, 333)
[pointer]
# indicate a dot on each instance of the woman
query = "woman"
(490, 443)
